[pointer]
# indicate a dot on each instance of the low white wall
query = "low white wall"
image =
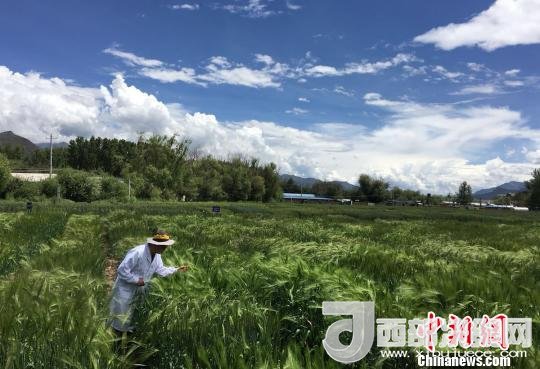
(32, 177)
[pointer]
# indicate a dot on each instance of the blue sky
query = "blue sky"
(425, 94)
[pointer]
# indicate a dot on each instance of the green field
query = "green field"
(258, 277)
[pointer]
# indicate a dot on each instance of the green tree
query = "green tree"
(290, 186)
(372, 189)
(464, 194)
(324, 188)
(237, 181)
(271, 182)
(533, 187)
(5, 172)
(76, 185)
(27, 191)
(113, 188)
(257, 188)
(49, 187)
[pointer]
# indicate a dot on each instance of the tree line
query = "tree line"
(167, 168)
(153, 168)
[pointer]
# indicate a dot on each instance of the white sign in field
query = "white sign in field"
(32, 177)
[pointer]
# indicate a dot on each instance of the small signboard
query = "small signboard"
(216, 209)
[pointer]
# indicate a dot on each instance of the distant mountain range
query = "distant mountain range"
(308, 182)
(491, 193)
(485, 194)
(8, 138)
(46, 145)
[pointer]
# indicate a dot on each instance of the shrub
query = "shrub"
(5, 172)
(112, 188)
(49, 187)
(27, 191)
(76, 185)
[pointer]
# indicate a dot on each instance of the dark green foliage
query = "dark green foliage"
(372, 189)
(76, 185)
(113, 188)
(49, 187)
(5, 173)
(162, 167)
(12, 152)
(291, 186)
(108, 155)
(331, 189)
(257, 188)
(533, 187)
(464, 194)
(26, 190)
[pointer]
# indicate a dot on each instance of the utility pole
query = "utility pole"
(50, 156)
(129, 189)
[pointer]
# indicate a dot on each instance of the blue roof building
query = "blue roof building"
(304, 197)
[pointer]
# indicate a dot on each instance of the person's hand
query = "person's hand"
(183, 268)
(140, 282)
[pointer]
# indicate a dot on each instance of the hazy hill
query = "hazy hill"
(46, 145)
(308, 182)
(491, 193)
(8, 138)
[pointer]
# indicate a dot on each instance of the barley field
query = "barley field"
(258, 276)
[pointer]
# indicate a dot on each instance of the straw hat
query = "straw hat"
(160, 238)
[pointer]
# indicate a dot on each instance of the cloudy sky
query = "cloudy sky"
(423, 93)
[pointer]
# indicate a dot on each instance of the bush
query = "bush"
(27, 191)
(49, 187)
(112, 188)
(5, 172)
(76, 185)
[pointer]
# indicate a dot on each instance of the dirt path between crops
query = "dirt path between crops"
(111, 265)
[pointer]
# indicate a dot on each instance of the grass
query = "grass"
(259, 274)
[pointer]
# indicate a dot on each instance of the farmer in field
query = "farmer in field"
(134, 272)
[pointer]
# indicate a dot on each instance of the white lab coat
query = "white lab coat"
(137, 264)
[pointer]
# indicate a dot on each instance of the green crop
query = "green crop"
(258, 276)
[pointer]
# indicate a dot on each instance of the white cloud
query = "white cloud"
(505, 23)
(303, 99)
(359, 68)
(36, 106)
(218, 71)
(167, 75)
(292, 6)
(223, 72)
(266, 59)
(486, 89)
(512, 72)
(191, 7)
(533, 156)
(415, 71)
(323, 70)
(343, 91)
(250, 9)
(220, 61)
(424, 146)
(476, 67)
(297, 111)
(514, 83)
(439, 69)
(132, 59)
